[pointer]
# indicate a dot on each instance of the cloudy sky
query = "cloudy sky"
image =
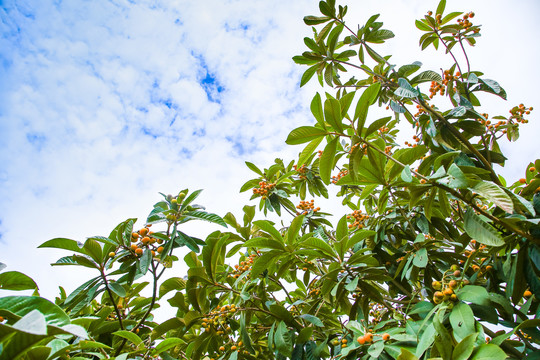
(105, 103)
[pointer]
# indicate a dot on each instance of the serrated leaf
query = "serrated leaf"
(481, 231)
(492, 192)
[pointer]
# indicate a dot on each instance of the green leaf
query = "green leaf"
(263, 262)
(489, 352)
(308, 74)
(117, 289)
(332, 114)
(282, 339)
(174, 283)
(465, 347)
(462, 321)
(315, 20)
(304, 134)
(130, 336)
(378, 36)
(33, 323)
(367, 98)
(406, 174)
(405, 89)
(426, 76)
(254, 168)
(294, 229)
(265, 243)
(406, 355)
(326, 163)
(203, 215)
(318, 244)
(308, 150)
(317, 109)
(144, 261)
(421, 258)
(22, 305)
(426, 340)
(167, 344)
(66, 244)
(14, 280)
(440, 7)
(421, 26)
(492, 192)
(312, 319)
(481, 231)
(475, 294)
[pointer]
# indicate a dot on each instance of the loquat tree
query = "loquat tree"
(438, 256)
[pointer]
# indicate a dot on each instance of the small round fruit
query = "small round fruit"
(138, 251)
(233, 348)
(453, 284)
(112, 253)
(361, 340)
(522, 180)
(160, 249)
(369, 337)
(457, 273)
(436, 285)
(386, 336)
(532, 169)
(222, 348)
(527, 294)
(143, 231)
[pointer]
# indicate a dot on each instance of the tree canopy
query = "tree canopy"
(438, 256)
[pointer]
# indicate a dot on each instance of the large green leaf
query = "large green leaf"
(14, 280)
(367, 98)
(304, 134)
(128, 335)
(203, 215)
(489, 352)
(326, 163)
(333, 115)
(265, 243)
(167, 344)
(22, 305)
(174, 283)
(481, 231)
(462, 321)
(492, 192)
(65, 244)
(283, 340)
(465, 347)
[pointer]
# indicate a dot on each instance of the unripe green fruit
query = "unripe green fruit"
(181, 196)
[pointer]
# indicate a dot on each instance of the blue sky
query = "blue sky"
(105, 103)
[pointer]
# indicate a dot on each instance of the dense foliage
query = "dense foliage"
(437, 257)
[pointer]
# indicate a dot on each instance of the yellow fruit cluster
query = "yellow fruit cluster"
(217, 319)
(143, 239)
(263, 189)
(302, 171)
(341, 174)
(244, 265)
(358, 219)
(307, 206)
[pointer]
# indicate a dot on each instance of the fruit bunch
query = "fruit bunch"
(143, 239)
(341, 174)
(517, 112)
(218, 319)
(243, 266)
(357, 219)
(465, 22)
(302, 171)
(445, 289)
(263, 189)
(306, 207)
